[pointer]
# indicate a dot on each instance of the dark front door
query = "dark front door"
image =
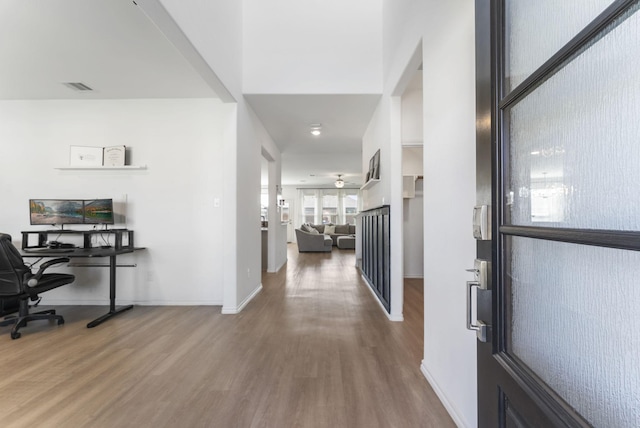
(558, 168)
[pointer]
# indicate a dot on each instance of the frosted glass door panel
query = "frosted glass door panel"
(527, 47)
(573, 142)
(574, 322)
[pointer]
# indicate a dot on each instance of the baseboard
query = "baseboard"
(245, 302)
(457, 419)
(279, 267)
(121, 302)
(414, 276)
(391, 317)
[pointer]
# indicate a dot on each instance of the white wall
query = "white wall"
(449, 193)
(312, 46)
(412, 129)
(214, 28)
(412, 164)
(247, 202)
(376, 138)
(277, 234)
(290, 195)
(169, 205)
(215, 31)
(446, 31)
(384, 134)
(413, 233)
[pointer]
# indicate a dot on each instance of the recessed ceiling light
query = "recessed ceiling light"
(316, 129)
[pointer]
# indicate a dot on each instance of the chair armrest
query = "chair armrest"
(51, 262)
(32, 281)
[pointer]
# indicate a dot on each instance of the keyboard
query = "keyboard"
(48, 250)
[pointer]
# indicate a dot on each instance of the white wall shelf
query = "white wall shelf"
(369, 183)
(125, 167)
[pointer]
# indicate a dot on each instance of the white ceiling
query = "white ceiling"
(111, 46)
(309, 160)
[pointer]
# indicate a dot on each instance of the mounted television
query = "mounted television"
(98, 211)
(70, 211)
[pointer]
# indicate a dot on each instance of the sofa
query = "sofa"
(334, 231)
(309, 242)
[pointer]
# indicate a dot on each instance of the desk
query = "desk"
(112, 253)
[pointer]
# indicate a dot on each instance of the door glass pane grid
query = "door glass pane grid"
(570, 170)
(573, 321)
(527, 47)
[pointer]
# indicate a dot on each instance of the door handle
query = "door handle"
(478, 326)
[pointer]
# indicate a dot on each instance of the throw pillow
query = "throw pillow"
(342, 229)
(329, 230)
(305, 227)
(314, 231)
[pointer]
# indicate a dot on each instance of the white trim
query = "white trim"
(105, 167)
(245, 302)
(121, 302)
(279, 267)
(414, 276)
(377, 299)
(457, 419)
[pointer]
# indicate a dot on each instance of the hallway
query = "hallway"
(313, 349)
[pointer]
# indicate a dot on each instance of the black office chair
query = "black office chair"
(18, 282)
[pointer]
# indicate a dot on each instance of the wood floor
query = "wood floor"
(313, 349)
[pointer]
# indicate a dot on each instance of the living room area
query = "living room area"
(323, 237)
(323, 219)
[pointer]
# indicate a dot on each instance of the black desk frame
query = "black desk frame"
(112, 253)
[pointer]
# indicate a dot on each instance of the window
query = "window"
(328, 206)
(309, 203)
(350, 204)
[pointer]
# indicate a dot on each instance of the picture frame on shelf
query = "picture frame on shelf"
(85, 156)
(114, 156)
(370, 172)
(375, 174)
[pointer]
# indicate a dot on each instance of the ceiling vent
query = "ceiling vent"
(77, 86)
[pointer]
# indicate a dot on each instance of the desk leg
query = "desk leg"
(112, 297)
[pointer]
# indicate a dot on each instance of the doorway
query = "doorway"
(559, 298)
(264, 212)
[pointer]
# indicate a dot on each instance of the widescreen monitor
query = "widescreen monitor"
(98, 211)
(70, 211)
(56, 211)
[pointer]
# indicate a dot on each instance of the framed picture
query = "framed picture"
(114, 156)
(85, 156)
(370, 173)
(376, 165)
